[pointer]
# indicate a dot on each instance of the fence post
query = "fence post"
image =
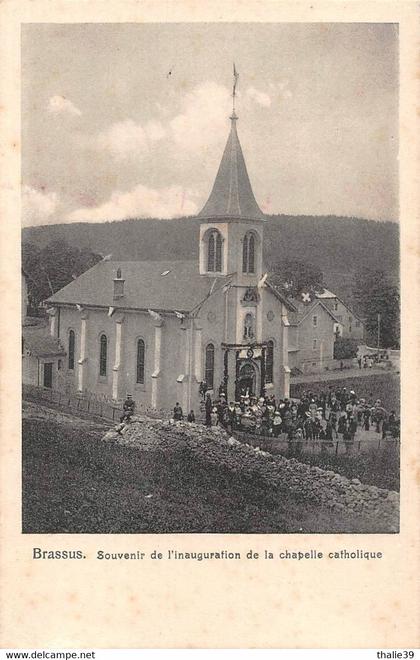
(336, 447)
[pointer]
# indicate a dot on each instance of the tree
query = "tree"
(51, 268)
(379, 302)
(295, 276)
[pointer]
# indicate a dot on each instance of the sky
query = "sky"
(130, 120)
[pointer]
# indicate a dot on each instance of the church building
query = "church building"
(157, 330)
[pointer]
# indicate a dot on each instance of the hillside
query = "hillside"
(182, 478)
(339, 246)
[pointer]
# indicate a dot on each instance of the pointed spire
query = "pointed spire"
(232, 196)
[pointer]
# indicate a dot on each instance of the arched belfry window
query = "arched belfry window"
(140, 361)
(214, 253)
(103, 355)
(269, 362)
(209, 366)
(248, 254)
(71, 350)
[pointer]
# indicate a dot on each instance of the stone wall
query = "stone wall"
(214, 446)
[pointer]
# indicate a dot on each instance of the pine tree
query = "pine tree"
(379, 301)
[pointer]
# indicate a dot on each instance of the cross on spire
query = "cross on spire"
(235, 82)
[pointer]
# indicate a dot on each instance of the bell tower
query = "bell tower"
(231, 230)
(231, 237)
(231, 247)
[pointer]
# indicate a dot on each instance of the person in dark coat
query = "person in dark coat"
(323, 440)
(230, 417)
(352, 427)
(307, 425)
(128, 408)
(202, 390)
(329, 434)
(221, 408)
(342, 425)
(178, 414)
(348, 440)
(191, 416)
(366, 418)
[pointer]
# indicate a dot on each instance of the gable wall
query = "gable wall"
(324, 335)
(352, 327)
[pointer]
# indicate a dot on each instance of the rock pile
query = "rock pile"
(305, 483)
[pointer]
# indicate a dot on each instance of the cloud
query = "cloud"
(199, 126)
(60, 105)
(259, 97)
(140, 202)
(202, 120)
(281, 89)
(127, 138)
(37, 206)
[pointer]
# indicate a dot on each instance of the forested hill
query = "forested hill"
(338, 246)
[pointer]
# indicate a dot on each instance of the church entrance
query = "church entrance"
(247, 380)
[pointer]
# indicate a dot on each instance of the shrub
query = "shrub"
(345, 348)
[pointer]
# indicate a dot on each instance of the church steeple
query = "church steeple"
(231, 229)
(232, 197)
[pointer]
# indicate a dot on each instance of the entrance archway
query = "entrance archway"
(247, 380)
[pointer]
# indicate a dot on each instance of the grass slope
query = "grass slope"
(75, 483)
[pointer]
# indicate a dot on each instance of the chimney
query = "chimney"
(118, 285)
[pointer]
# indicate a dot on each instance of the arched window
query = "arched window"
(71, 350)
(249, 327)
(140, 362)
(214, 253)
(248, 254)
(269, 362)
(209, 368)
(119, 273)
(103, 351)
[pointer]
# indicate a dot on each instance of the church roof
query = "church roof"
(232, 196)
(156, 285)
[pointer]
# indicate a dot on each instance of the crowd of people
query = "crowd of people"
(335, 414)
(326, 416)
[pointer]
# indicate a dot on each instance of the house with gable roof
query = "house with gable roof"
(312, 333)
(352, 326)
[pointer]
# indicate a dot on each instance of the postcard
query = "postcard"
(209, 280)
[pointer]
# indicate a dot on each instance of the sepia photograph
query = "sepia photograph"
(210, 278)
